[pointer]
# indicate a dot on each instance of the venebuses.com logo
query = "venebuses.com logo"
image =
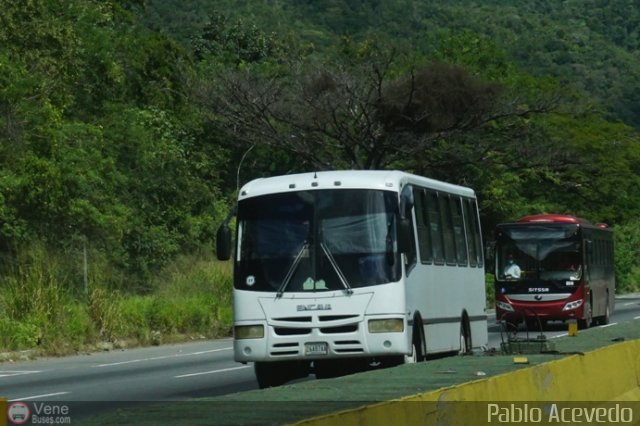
(18, 413)
(21, 413)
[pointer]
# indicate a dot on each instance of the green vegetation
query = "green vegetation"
(123, 124)
(42, 307)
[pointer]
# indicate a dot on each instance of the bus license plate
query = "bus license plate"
(316, 348)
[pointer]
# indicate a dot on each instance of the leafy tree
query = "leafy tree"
(627, 256)
(235, 43)
(99, 144)
(172, 204)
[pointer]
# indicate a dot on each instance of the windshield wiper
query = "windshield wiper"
(333, 262)
(292, 268)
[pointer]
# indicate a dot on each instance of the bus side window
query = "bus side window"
(447, 229)
(422, 225)
(471, 244)
(458, 230)
(473, 232)
(435, 227)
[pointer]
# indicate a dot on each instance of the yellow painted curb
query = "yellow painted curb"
(3, 411)
(611, 373)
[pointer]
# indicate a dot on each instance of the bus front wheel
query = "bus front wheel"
(418, 347)
(270, 374)
(585, 322)
(466, 345)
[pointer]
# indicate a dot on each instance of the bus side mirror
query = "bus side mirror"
(489, 256)
(223, 242)
(405, 241)
(406, 202)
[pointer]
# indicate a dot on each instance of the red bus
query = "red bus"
(554, 267)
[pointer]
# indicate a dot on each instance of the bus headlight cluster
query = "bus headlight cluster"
(572, 305)
(504, 306)
(389, 325)
(248, 332)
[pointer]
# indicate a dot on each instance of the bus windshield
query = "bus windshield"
(317, 241)
(540, 253)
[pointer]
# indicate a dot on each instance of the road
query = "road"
(102, 381)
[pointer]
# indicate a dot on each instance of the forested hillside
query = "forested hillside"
(590, 44)
(124, 123)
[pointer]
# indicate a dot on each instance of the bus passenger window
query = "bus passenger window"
(458, 231)
(435, 227)
(447, 230)
(475, 243)
(422, 225)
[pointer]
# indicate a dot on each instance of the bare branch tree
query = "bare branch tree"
(360, 115)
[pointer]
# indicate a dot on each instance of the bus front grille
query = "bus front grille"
(348, 346)
(294, 319)
(283, 349)
(349, 328)
(291, 331)
(336, 317)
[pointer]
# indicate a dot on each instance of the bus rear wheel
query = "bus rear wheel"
(604, 320)
(465, 337)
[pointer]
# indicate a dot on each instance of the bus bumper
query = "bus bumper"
(314, 344)
(514, 311)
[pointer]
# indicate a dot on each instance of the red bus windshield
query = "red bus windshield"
(550, 255)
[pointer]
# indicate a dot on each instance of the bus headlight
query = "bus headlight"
(389, 325)
(248, 332)
(572, 305)
(504, 306)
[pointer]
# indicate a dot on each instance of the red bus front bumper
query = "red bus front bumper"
(509, 308)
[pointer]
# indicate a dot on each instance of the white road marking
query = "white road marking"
(27, 398)
(155, 358)
(608, 325)
(224, 370)
(638, 317)
(629, 303)
(11, 373)
(559, 335)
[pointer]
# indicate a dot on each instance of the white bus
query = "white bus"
(338, 271)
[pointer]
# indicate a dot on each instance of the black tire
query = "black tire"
(531, 324)
(418, 344)
(535, 324)
(466, 343)
(585, 322)
(339, 368)
(326, 370)
(271, 374)
(606, 318)
(266, 374)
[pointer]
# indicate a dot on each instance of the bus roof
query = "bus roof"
(554, 218)
(557, 219)
(389, 180)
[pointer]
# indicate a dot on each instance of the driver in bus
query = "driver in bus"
(512, 270)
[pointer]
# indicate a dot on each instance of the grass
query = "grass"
(41, 308)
